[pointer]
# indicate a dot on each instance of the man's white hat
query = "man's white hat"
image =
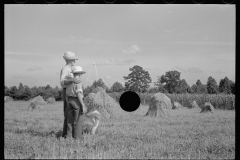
(77, 69)
(69, 56)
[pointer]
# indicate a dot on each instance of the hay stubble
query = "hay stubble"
(186, 134)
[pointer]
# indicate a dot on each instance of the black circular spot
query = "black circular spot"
(129, 101)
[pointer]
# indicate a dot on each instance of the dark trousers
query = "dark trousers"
(74, 110)
(65, 105)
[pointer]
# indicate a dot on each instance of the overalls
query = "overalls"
(74, 110)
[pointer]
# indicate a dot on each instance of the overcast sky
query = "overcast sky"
(196, 40)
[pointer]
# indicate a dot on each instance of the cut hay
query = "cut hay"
(194, 104)
(159, 106)
(51, 100)
(207, 108)
(37, 103)
(8, 99)
(105, 104)
(97, 89)
(176, 105)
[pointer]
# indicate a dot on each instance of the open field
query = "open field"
(187, 134)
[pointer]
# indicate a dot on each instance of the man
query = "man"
(66, 78)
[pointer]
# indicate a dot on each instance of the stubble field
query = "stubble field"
(186, 134)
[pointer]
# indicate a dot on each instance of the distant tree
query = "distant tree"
(183, 87)
(27, 93)
(153, 90)
(232, 84)
(87, 90)
(47, 87)
(117, 87)
(34, 91)
(194, 88)
(6, 93)
(190, 90)
(40, 91)
(20, 92)
(107, 90)
(138, 80)
(160, 86)
(13, 91)
(201, 89)
(59, 97)
(98, 83)
(212, 87)
(171, 80)
(225, 86)
(198, 83)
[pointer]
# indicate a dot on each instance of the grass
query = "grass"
(186, 134)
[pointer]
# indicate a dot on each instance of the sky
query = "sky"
(196, 40)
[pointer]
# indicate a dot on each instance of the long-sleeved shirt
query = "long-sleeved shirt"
(66, 73)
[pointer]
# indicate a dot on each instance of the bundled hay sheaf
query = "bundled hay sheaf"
(97, 89)
(8, 99)
(102, 102)
(51, 100)
(37, 102)
(159, 105)
(194, 104)
(176, 105)
(207, 107)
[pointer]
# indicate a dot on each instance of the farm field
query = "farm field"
(186, 134)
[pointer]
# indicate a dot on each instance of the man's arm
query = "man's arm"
(66, 79)
(69, 80)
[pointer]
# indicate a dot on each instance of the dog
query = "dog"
(89, 122)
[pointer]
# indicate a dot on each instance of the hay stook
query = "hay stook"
(176, 105)
(194, 104)
(159, 106)
(102, 102)
(37, 103)
(208, 107)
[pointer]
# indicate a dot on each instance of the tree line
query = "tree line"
(138, 80)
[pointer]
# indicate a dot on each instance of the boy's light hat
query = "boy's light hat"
(78, 69)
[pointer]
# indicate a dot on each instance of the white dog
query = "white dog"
(89, 121)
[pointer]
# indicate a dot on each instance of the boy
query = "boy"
(76, 105)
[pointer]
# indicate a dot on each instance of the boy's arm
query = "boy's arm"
(80, 98)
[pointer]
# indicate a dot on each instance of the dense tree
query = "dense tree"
(87, 90)
(183, 87)
(212, 87)
(232, 84)
(6, 91)
(98, 83)
(138, 80)
(201, 89)
(27, 93)
(194, 88)
(117, 87)
(160, 86)
(170, 80)
(225, 86)
(153, 90)
(198, 83)
(107, 89)
(13, 91)
(20, 92)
